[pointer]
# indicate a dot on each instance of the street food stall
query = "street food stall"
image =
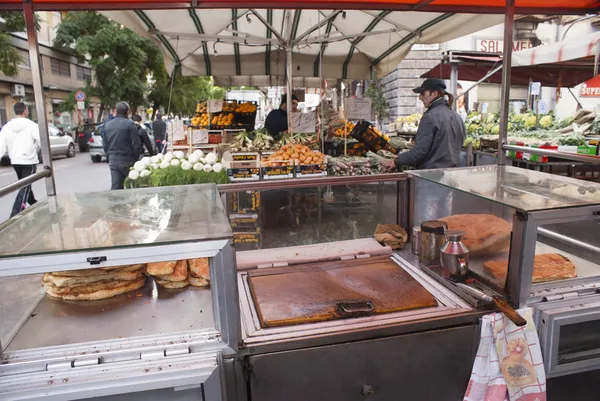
(146, 294)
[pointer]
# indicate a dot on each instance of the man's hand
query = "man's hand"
(389, 164)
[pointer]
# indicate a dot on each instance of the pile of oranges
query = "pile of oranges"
(246, 107)
(222, 119)
(342, 133)
(297, 154)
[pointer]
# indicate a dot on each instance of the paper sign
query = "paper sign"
(199, 136)
(177, 131)
(542, 107)
(214, 105)
(536, 88)
(484, 108)
(304, 123)
(358, 108)
(80, 105)
(337, 120)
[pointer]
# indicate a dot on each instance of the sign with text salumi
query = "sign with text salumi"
(304, 123)
(591, 88)
(214, 105)
(497, 46)
(358, 108)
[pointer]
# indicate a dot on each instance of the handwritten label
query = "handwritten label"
(304, 123)
(542, 107)
(214, 105)
(199, 136)
(358, 108)
(177, 131)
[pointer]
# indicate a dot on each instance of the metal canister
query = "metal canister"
(432, 240)
(415, 240)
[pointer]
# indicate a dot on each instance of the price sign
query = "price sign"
(214, 105)
(177, 131)
(304, 123)
(536, 88)
(199, 136)
(358, 108)
(542, 107)
(484, 108)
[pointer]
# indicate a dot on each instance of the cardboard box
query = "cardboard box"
(284, 169)
(241, 170)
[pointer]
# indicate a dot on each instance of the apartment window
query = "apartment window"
(59, 67)
(24, 63)
(83, 73)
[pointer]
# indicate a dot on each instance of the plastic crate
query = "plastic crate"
(364, 132)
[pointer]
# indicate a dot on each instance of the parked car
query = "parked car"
(61, 144)
(84, 134)
(97, 149)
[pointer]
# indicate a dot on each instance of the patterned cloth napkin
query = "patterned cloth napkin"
(509, 364)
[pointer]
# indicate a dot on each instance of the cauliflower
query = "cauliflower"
(546, 121)
(473, 128)
(496, 129)
(529, 122)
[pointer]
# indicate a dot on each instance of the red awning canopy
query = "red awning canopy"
(555, 7)
(473, 68)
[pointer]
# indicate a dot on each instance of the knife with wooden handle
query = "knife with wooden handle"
(501, 304)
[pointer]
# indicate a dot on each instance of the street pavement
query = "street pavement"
(78, 174)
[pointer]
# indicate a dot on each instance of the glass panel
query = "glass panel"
(579, 342)
(82, 222)
(106, 303)
(518, 188)
(304, 216)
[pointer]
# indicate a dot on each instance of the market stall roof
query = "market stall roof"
(573, 48)
(247, 46)
(556, 7)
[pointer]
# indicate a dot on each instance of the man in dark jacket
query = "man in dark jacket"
(122, 145)
(277, 121)
(441, 131)
(143, 133)
(160, 132)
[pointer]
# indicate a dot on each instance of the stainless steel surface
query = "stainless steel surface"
(38, 92)
(19, 296)
(474, 292)
(156, 311)
(169, 394)
(454, 83)
(254, 335)
(454, 255)
(226, 303)
(558, 319)
(392, 368)
(431, 243)
(515, 187)
(116, 219)
(15, 186)
(509, 20)
(310, 182)
(288, 46)
(415, 240)
(554, 153)
(568, 240)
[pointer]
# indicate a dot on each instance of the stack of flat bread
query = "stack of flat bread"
(94, 284)
(180, 274)
(485, 234)
(546, 267)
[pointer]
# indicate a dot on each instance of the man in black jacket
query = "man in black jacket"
(441, 131)
(159, 127)
(122, 145)
(277, 121)
(143, 133)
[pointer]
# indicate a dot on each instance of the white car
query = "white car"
(61, 144)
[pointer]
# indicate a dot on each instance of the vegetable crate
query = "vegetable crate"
(283, 169)
(374, 141)
(246, 202)
(245, 170)
(312, 170)
(489, 144)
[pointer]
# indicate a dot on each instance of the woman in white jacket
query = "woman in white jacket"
(20, 137)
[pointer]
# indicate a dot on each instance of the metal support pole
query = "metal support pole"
(454, 84)
(288, 69)
(509, 20)
(38, 92)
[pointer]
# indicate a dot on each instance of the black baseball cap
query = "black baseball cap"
(431, 84)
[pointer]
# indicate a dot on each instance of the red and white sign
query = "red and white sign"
(591, 88)
(497, 46)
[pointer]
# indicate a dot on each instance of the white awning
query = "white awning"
(566, 50)
(245, 46)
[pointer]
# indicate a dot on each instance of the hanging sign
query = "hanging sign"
(80, 105)
(536, 88)
(591, 88)
(304, 123)
(214, 105)
(358, 108)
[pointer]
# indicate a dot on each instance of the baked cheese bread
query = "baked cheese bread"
(546, 267)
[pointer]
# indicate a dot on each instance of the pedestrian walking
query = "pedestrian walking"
(160, 132)
(20, 137)
(122, 145)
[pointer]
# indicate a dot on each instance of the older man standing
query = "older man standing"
(121, 144)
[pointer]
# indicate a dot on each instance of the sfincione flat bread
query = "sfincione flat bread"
(198, 282)
(161, 268)
(199, 268)
(179, 274)
(546, 267)
(88, 288)
(172, 284)
(101, 294)
(60, 281)
(100, 271)
(485, 234)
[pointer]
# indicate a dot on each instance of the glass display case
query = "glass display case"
(114, 292)
(534, 238)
